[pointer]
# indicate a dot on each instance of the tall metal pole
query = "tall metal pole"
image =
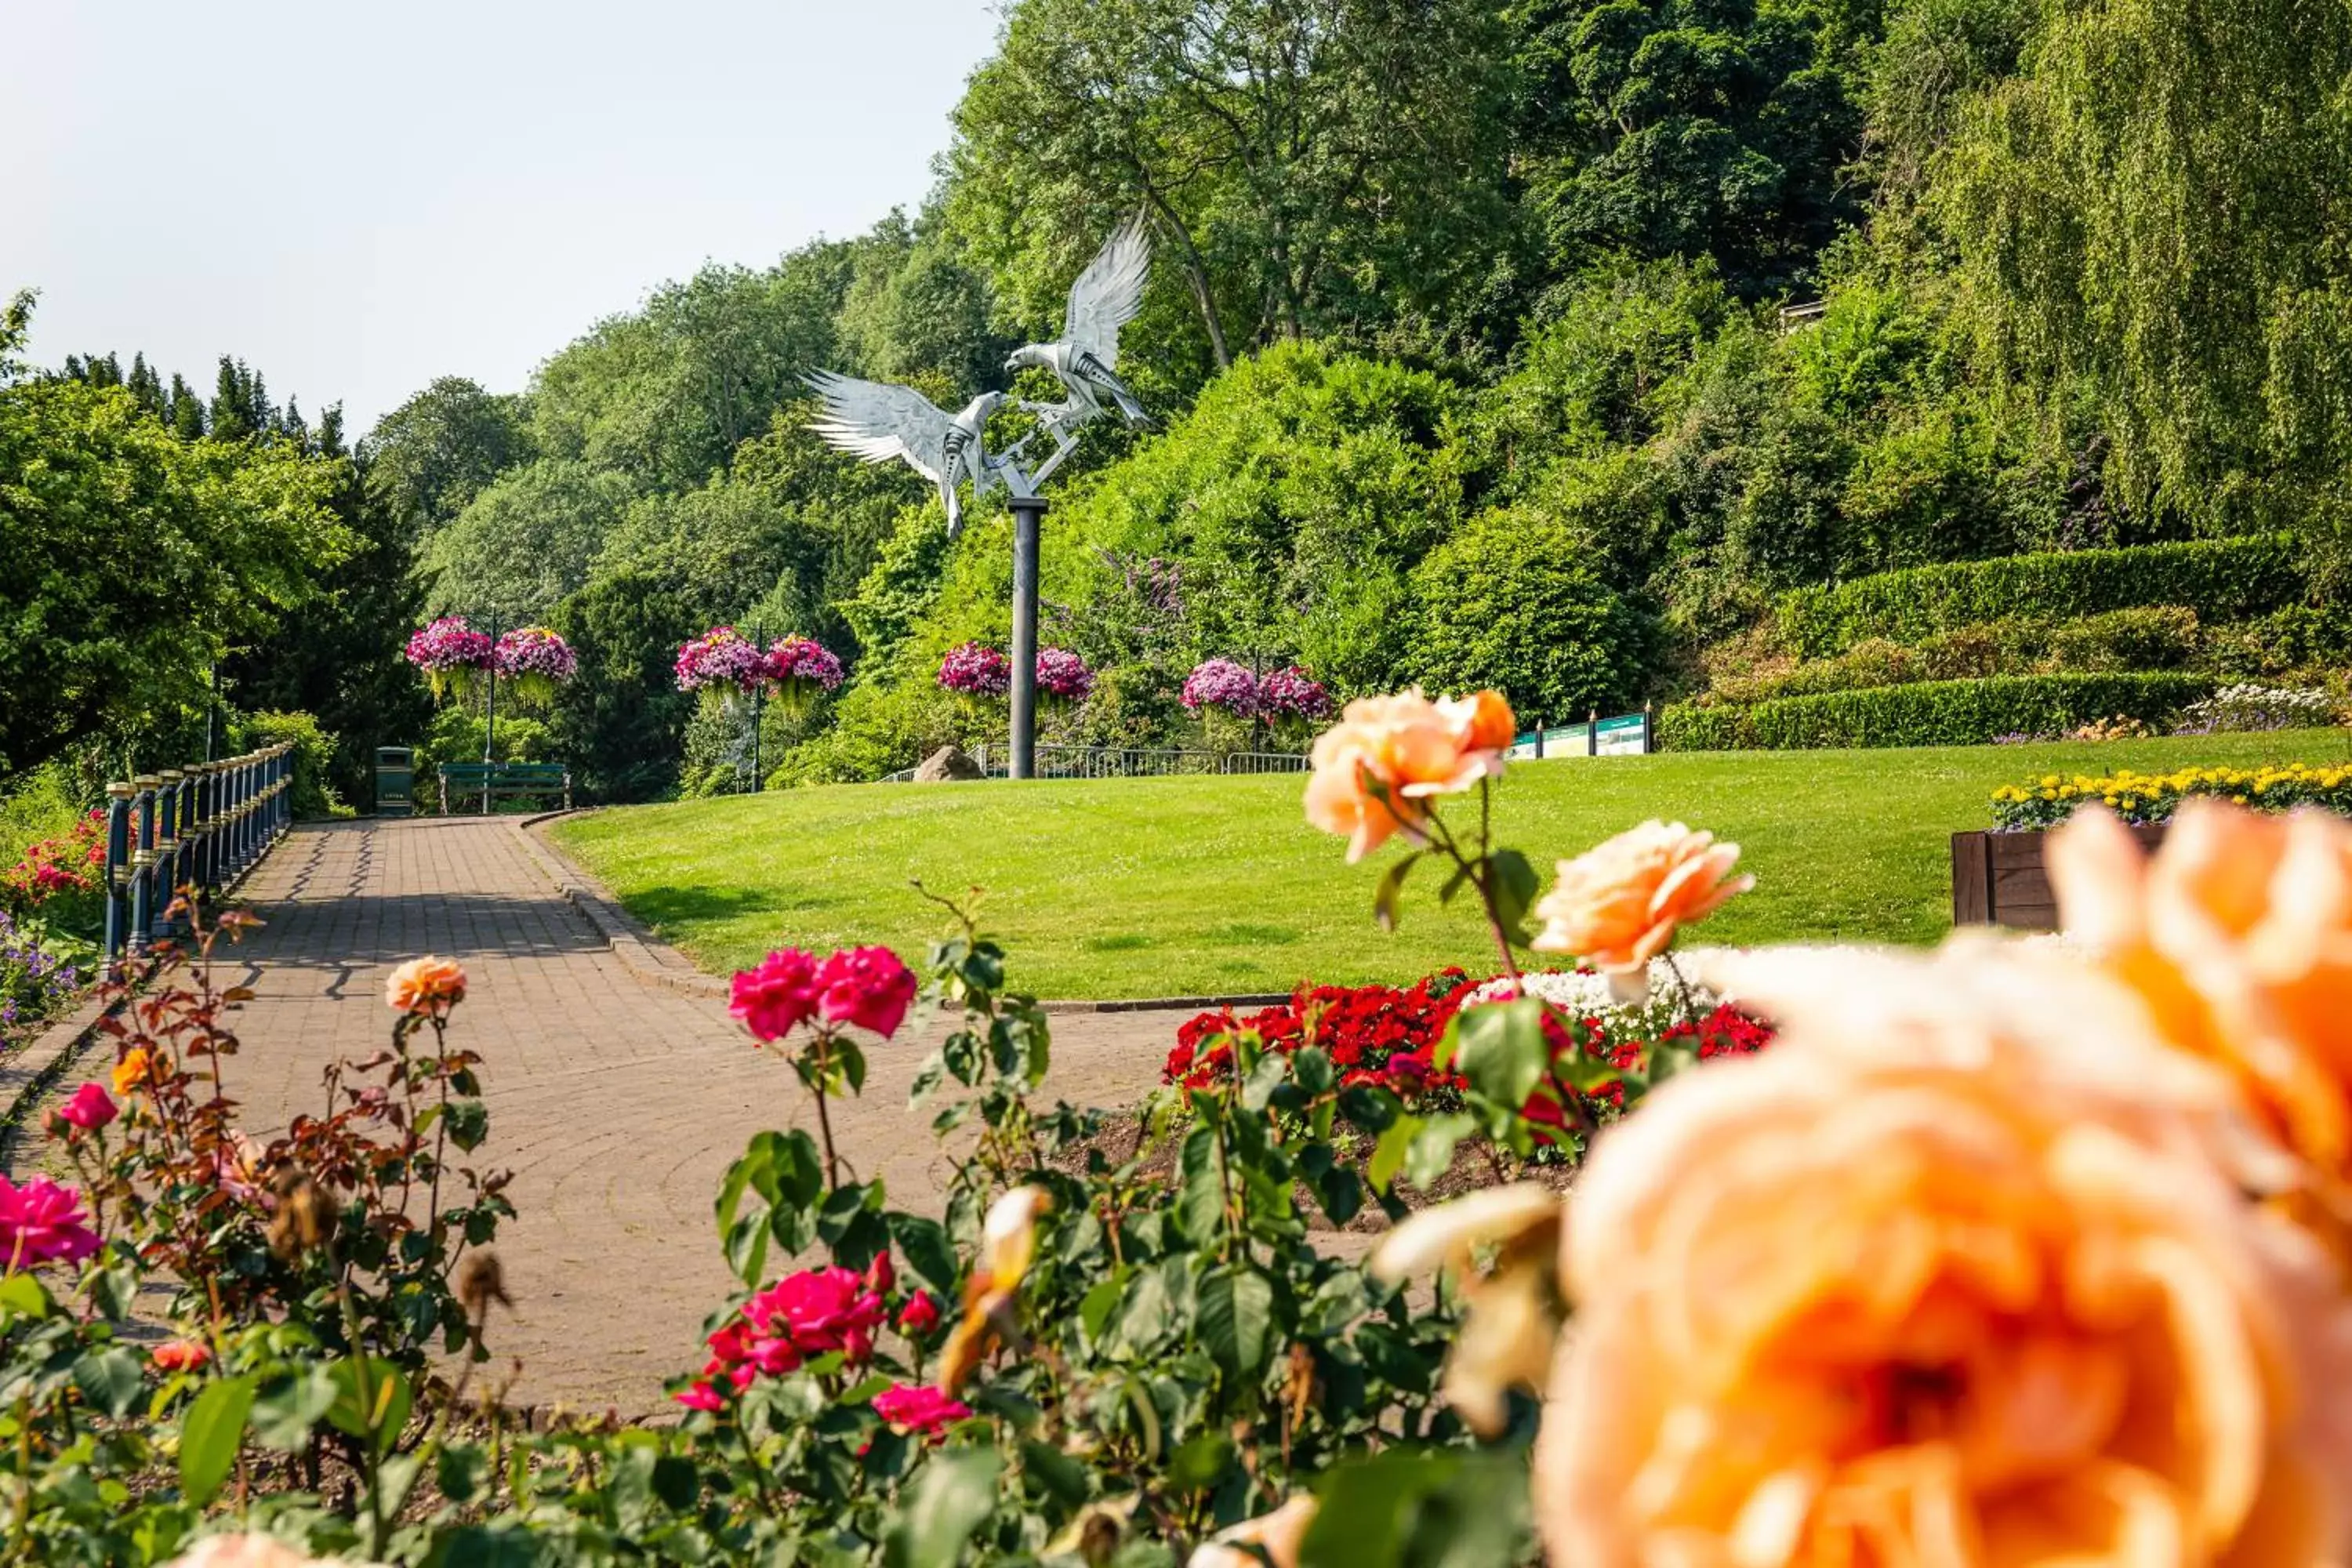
(759, 707)
(1027, 512)
(491, 728)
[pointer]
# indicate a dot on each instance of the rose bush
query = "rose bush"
(2018, 1252)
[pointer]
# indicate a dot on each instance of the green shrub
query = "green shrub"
(2148, 636)
(1930, 713)
(2220, 579)
(1512, 602)
(314, 757)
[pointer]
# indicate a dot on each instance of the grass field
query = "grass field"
(1185, 887)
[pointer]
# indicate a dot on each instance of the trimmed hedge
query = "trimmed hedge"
(1930, 713)
(2220, 579)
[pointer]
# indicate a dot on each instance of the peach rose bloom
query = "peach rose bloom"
(425, 985)
(1617, 906)
(1375, 768)
(1949, 1276)
(247, 1551)
(2238, 934)
(1278, 1534)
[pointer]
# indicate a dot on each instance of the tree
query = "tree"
(1516, 601)
(1307, 167)
(1715, 128)
(525, 542)
(130, 561)
(429, 457)
(666, 393)
(2147, 219)
(621, 719)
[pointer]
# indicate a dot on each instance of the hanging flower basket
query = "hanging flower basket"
(1220, 683)
(1225, 696)
(451, 654)
(1294, 700)
(1063, 678)
(976, 669)
(802, 670)
(534, 662)
(721, 666)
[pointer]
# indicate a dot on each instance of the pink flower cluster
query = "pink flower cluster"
(535, 650)
(814, 1312)
(1062, 675)
(720, 656)
(1292, 693)
(1220, 683)
(450, 644)
(867, 986)
(800, 659)
(42, 1222)
(919, 1409)
(976, 669)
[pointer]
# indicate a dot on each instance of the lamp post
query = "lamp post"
(1028, 511)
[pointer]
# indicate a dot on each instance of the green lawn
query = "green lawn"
(1197, 886)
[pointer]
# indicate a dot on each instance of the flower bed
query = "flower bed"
(2141, 798)
(1387, 1037)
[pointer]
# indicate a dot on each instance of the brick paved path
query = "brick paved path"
(617, 1101)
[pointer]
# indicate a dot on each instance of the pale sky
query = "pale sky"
(357, 198)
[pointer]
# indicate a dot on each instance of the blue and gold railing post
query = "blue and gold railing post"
(282, 810)
(199, 829)
(117, 873)
(244, 813)
(143, 861)
(167, 850)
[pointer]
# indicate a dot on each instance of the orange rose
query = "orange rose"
(1387, 755)
(1616, 907)
(2238, 935)
(1950, 1275)
(426, 985)
(1277, 1535)
(131, 1072)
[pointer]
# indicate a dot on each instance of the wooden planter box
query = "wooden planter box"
(1998, 878)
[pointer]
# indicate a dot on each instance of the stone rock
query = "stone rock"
(946, 762)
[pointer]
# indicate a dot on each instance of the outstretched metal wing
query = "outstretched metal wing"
(876, 421)
(1109, 292)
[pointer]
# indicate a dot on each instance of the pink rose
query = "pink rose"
(918, 1408)
(867, 986)
(778, 995)
(700, 1394)
(882, 1275)
(90, 1109)
(920, 1316)
(41, 1222)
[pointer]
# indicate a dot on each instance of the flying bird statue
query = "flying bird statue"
(878, 421)
(1086, 358)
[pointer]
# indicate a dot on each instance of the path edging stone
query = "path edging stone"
(655, 962)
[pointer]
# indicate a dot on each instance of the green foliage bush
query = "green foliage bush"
(2220, 579)
(2146, 638)
(1512, 602)
(1930, 713)
(314, 757)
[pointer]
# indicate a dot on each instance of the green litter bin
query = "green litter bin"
(396, 779)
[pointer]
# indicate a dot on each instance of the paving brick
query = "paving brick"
(617, 1103)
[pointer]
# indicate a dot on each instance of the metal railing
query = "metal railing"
(200, 827)
(1060, 762)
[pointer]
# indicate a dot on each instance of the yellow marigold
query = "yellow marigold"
(1951, 1274)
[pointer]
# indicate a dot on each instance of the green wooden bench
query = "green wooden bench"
(481, 785)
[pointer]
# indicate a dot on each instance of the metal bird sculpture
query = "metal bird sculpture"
(1086, 358)
(878, 421)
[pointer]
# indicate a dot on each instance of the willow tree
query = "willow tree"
(2152, 223)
